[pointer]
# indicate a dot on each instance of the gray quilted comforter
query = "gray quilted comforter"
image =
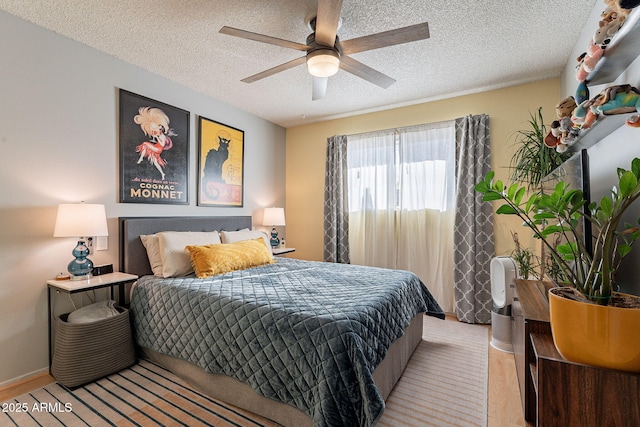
(306, 333)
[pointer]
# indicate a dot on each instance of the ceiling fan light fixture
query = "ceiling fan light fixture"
(323, 62)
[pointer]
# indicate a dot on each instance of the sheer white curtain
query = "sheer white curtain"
(371, 182)
(401, 203)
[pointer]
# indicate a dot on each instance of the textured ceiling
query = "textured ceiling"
(474, 46)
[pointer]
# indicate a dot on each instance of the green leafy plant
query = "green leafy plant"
(550, 268)
(558, 214)
(533, 160)
(526, 260)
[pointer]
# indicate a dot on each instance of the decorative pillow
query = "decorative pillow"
(245, 234)
(91, 313)
(175, 258)
(210, 260)
(152, 245)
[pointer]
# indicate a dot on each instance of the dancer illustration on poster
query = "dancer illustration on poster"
(155, 124)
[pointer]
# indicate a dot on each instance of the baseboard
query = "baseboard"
(451, 316)
(23, 378)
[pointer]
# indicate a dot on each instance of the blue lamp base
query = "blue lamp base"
(275, 241)
(80, 268)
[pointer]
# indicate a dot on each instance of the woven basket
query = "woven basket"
(88, 351)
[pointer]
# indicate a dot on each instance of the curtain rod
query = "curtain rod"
(434, 125)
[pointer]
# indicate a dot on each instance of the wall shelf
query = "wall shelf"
(620, 53)
(602, 127)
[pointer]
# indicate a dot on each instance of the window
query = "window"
(409, 169)
(401, 195)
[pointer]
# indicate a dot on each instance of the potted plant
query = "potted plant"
(525, 259)
(533, 160)
(588, 304)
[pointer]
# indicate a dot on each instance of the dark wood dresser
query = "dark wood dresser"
(554, 391)
(576, 395)
(530, 316)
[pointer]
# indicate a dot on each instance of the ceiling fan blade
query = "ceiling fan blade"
(264, 39)
(327, 21)
(386, 38)
(357, 68)
(319, 88)
(274, 70)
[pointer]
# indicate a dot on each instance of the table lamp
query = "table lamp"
(80, 220)
(273, 217)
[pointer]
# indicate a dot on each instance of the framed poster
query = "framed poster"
(220, 165)
(154, 151)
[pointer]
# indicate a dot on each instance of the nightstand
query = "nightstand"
(109, 280)
(282, 251)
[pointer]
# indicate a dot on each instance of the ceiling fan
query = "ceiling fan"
(326, 53)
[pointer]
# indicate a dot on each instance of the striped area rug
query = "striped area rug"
(143, 395)
(446, 380)
(444, 384)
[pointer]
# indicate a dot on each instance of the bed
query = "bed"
(278, 339)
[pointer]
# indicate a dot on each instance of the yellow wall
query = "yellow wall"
(305, 153)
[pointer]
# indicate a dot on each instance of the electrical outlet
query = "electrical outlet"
(89, 244)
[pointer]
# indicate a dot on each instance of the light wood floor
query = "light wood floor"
(504, 404)
(25, 386)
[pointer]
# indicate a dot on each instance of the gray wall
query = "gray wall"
(616, 150)
(58, 143)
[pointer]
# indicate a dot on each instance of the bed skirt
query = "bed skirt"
(241, 395)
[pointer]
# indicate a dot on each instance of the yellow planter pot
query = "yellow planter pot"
(596, 335)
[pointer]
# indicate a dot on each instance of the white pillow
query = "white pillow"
(91, 313)
(244, 234)
(152, 245)
(176, 260)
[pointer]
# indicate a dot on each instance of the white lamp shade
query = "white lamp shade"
(80, 220)
(273, 216)
(323, 63)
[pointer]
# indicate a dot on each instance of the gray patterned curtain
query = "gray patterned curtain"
(473, 235)
(336, 209)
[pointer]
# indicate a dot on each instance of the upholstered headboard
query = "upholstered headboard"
(133, 255)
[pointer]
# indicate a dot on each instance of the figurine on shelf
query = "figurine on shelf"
(609, 25)
(588, 60)
(633, 121)
(612, 19)
(583, 117)
(622, 7)
(618, 99)
(562, 130)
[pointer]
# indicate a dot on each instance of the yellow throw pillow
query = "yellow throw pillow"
(209, 260)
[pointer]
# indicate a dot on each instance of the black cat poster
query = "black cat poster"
(154, 151)
(221, 155)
